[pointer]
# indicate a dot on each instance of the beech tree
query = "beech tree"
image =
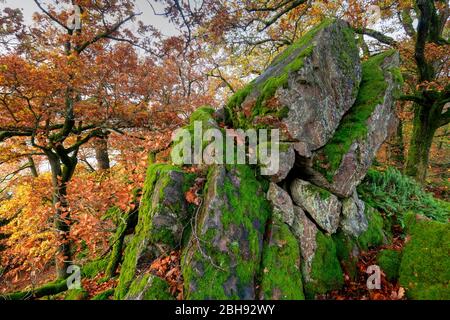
(47, 98)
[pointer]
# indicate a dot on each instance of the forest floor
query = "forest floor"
(357, 289)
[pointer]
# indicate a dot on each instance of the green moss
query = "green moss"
(326, 273)
(354, 124)
(76, 294)
(204, 113)
(105, 295)
(296, 53)
(49, 289)
(144, 233)
(376, 233)
(304, 41)
(281, 277)
(149, 287)
(396, 194)
(244, 208)
(345, 246)
(323, 193)
(425, 266)
(159, 290)
(93, 268)
(389, 262)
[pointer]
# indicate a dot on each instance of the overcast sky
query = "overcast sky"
(29, 7)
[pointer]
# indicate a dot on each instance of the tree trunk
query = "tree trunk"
(33, 168)
(101, 153)
(424, 128)
(62, 216)
(396, 148)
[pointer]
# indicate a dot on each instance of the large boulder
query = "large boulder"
(223, 257)
(322, 206)
(342, 164)
(306, 90)
(148, 287)
(162, 215)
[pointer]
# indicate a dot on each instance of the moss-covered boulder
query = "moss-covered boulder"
(323, 206)
(425, 266)
(281, 277)
(343, 162)
(306, 90)
(320, 266)
(149, 287)
(162, 215)
(223, 257)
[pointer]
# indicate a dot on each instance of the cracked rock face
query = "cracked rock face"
(279, 170)
(307, 89)
(281, 203)
(222, 258)
(354, 221)
(322, 206)
(305, 230)
(321, 92)
(357, 160)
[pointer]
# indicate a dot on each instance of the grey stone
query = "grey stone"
(281, 203)
(354, 221)
(322, 206)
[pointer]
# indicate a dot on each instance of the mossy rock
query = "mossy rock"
(94, 268)
(322, 68)
(105, 295)
(347, 251)
(320, 266)
(425, 266)
(76, 294)
(349, 247)
(326, 273)
(281, 277)
(149, 287)
(223, 257)
(344, 161)
(389, 262)
(378, 231)
(162, 215)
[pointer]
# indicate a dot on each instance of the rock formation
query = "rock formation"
(293, 234)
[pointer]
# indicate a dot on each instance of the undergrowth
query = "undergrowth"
(397, 194)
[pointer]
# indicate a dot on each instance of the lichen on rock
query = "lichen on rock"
(315, 71)
(281, 277)
(162, 212)
(223, 257)
(323, 207)
(343, 162)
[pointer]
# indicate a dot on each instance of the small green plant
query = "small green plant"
(397, 194)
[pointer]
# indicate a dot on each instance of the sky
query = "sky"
(29, 7)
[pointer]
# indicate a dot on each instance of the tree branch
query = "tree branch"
(105, 34)
(376, 35)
